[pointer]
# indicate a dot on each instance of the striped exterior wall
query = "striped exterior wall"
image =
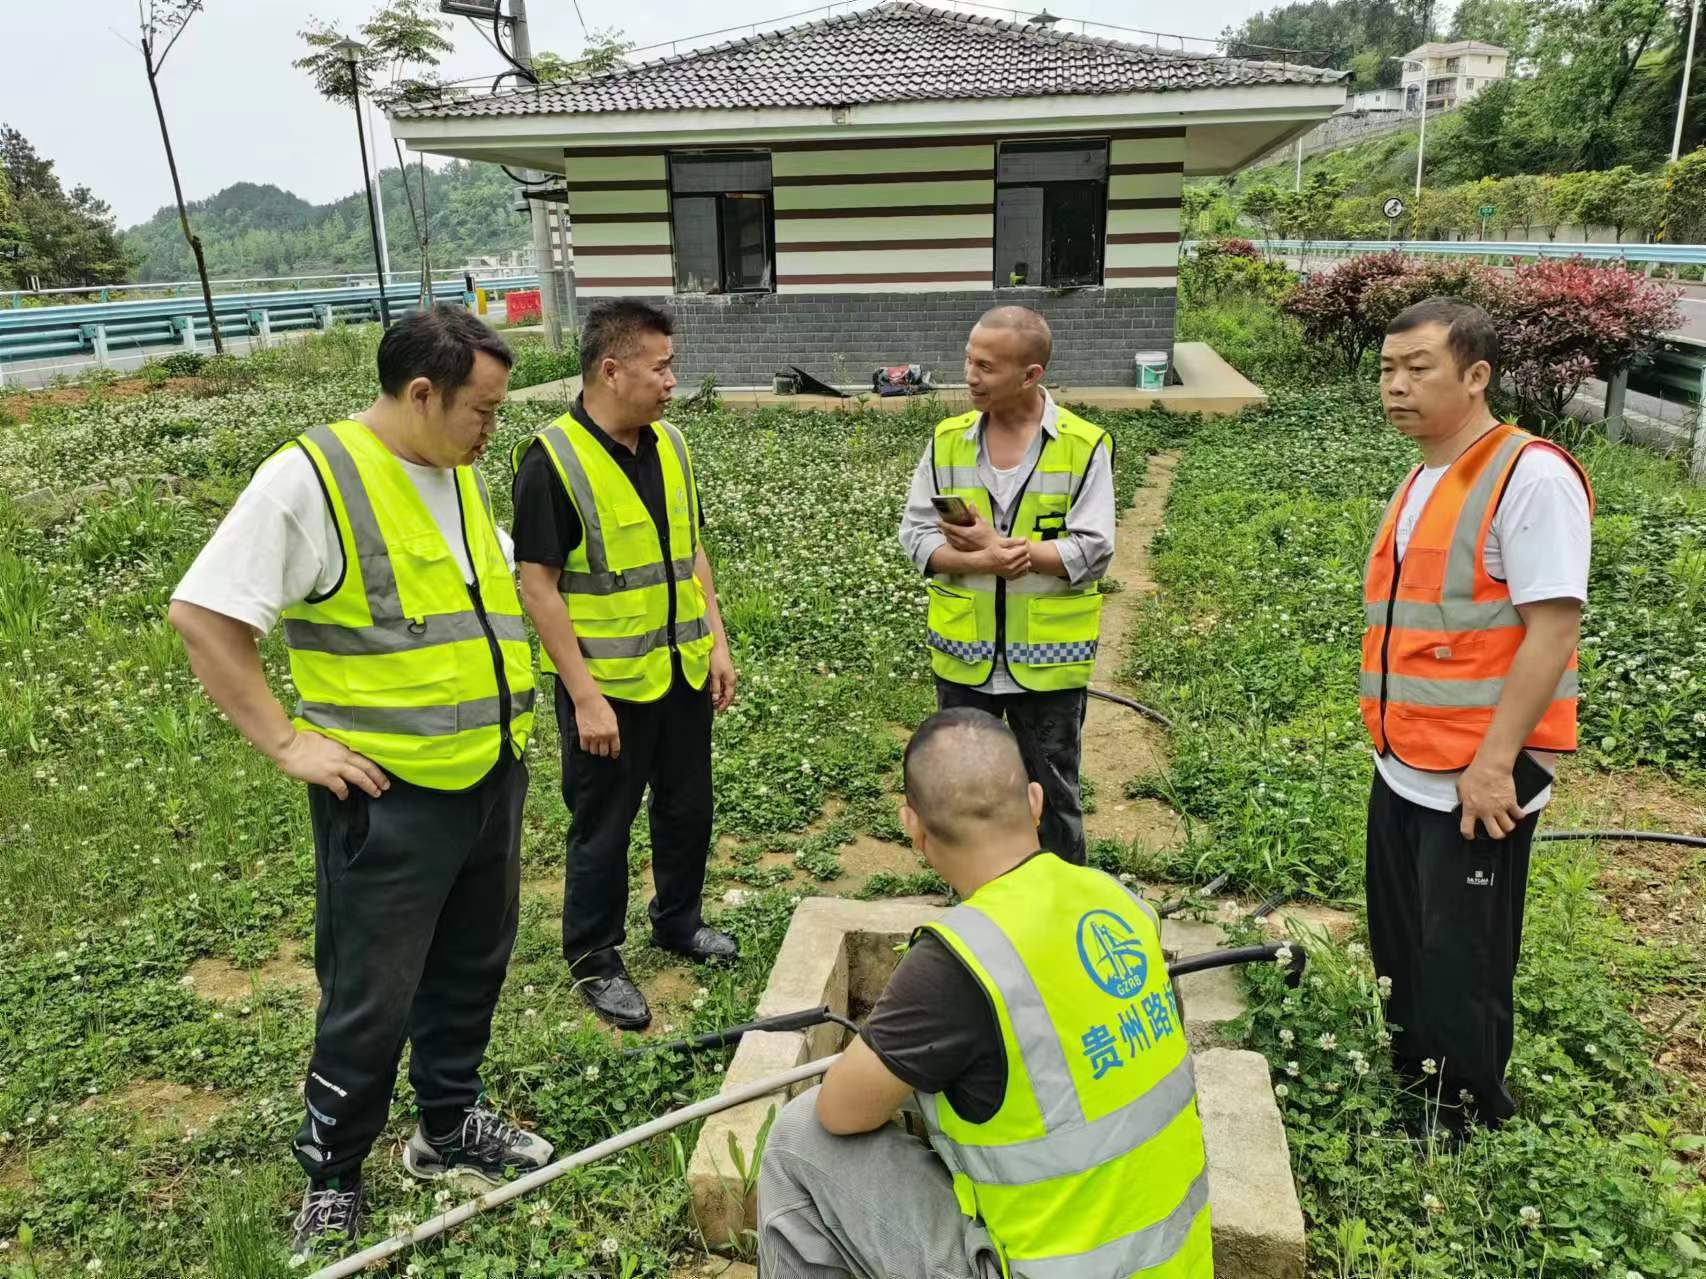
(884, 216)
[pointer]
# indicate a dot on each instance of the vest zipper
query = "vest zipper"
(1001, 582)
(479, 603)
(1386, 638)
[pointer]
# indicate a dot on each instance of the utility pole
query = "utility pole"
(351, 52)
(1687, 67)
(378, 194)
(1298, 184)
(542, 247)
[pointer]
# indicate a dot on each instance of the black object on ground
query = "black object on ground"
(805, 1019)
(809, 385)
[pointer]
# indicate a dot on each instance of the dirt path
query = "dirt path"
(1119, 744)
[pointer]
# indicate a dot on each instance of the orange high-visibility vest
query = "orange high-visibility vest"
(1441, 632)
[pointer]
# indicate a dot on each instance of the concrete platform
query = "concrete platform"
(1208, 385)
(840, 953)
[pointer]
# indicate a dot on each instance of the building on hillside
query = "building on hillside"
(855, 191)
(1454, 73)
(1374, 101)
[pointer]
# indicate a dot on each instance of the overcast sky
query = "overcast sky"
(240, 112)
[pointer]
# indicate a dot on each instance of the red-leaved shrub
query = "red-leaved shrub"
(1331, 305)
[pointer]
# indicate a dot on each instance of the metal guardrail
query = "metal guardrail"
(398, 280)
(1658, 254)
(102, 329)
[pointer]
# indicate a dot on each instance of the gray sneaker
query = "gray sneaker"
(484, 1146)
(330, 1215)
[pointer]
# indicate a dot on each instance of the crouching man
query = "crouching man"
(1036, 1024)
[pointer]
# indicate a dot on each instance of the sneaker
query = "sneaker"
(331, 1214)
(484, 1146)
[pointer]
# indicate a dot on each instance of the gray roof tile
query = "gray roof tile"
(896, 52)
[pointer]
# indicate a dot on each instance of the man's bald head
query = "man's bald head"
(1035, 338)
(964, 776)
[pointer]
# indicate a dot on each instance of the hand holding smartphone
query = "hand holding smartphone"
(954, 510)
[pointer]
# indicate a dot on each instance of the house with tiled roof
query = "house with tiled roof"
(855, 191)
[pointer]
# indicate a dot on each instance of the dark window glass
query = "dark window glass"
(723, 222)
(1051, 201)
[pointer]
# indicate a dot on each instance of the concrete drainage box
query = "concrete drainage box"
(841, 953)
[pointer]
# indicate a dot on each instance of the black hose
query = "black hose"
(805, 1019)
(1139, 707)
(1271, 905)
(1632, 836)
(1266, 953)
(1207, 890)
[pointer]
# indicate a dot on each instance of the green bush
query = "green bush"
(536, 362)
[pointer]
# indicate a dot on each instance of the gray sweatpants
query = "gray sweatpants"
(871, 1206)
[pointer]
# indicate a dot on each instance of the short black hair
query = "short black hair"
(963, 769)
(1469, 331)
(613, 328)
(438, 344)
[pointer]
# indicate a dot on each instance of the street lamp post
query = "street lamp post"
(1687, 67)
(1422, 134)
(351, 51)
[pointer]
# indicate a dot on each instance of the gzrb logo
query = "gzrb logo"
(1112, 954)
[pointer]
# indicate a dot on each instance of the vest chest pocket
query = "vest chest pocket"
(428, 583)
(953, 615)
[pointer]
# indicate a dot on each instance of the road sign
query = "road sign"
(1487, 210)
(1393, 208)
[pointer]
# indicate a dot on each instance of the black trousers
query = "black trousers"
(1050, 729)
(1445, 924)
(416, 899)
(665, 744)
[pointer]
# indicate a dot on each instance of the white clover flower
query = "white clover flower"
(1355, 949)
(1282, 957)
(1361, 1067)
(1465, 1097)
(1328, 1041)
(1384, 986)
(1430, 1067)
(95, 1266)
(1293, 1069)
(1286, 1037)
(1530, 1216)
(527, 990)
(610, 1247)
(698, 1002)
(1592, 1050)
(591, 1073)
(1281, 1091)
(1432, 1204)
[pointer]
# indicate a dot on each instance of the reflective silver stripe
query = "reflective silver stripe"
(679, 442)
(958, 477)
(1039, 1044)
(601, 649)
(1075, 1150)
(1465, 553)
(1052, 482)
(984, 582)
(485, 494)
(1040, 584)
(1129, 1255)
(627, 580)
(413, 721)
(378, 579)
(580, 489)
(1454, 693)
(398, 634)
(1450, 615)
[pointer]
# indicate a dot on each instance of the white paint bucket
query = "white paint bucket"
(1150, 370)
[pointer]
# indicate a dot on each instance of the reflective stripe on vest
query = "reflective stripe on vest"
(1050, 628)
(403, 670)
(1074, 1175)
(1440, 631)
(616, 584)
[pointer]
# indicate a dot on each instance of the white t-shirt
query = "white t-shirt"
(279, 544)
(1539, 544)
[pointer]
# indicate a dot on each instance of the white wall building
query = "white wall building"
(1454, 74)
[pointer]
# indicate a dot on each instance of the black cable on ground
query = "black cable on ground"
(805, 1019)
(1271, 905)
(1266, 953)
(1630, 836)
(1146, 711)
(1179, 903)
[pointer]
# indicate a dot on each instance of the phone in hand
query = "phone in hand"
(1528, 777)
(953, 510)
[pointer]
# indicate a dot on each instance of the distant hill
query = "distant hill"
(258, 229)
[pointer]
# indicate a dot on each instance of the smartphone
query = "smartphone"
(953, 509)
(1527, 776)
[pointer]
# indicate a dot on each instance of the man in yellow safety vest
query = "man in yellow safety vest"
(1038, 1028)
(373, 539)
(615, 578)
(1011, 516)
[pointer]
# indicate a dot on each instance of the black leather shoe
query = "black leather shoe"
(705, 944)
(618, 1001)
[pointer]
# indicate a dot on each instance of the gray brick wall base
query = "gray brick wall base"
(841, 338)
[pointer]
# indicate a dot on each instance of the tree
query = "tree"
(603, 52)
(1506, 23)
(1683, 207)
(165, 20)
(51, 238)
(1354, 34)
(1263, 204)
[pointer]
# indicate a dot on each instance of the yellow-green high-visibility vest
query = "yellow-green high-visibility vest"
(616, 583)
(1051, 627)
(405, 662)
(1093, 1167)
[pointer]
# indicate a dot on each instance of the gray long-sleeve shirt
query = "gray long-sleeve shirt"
(1086, 547)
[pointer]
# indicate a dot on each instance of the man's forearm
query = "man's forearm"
(224, 658)
(556, 629)
(1530, 687)
(946, 560)
(1045, 559)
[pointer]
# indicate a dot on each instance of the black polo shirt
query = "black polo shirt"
(547, 527)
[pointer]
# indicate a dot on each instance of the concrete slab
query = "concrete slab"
(847, 949)
(1257, 1221)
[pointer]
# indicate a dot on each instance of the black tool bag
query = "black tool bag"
(902, 379)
